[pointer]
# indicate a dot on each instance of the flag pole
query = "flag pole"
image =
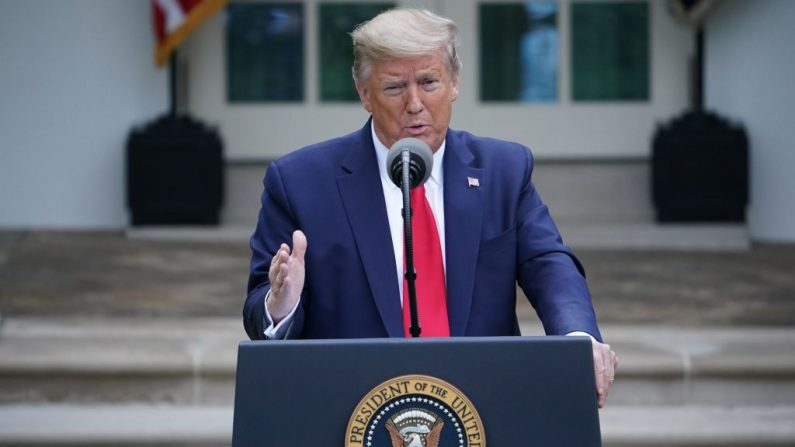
(173, 83)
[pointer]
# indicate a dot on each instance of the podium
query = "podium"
(435, 392)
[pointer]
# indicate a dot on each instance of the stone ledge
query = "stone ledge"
(698, 426)
(208, 346)
(580, 235)
(115, 425)
(672, 352)
(653, 236)
(681, 426)
(128, 346)
(745, 352)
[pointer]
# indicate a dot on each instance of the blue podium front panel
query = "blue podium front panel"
(447, 392)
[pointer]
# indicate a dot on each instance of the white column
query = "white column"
(750, 77)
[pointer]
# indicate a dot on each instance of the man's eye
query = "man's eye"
(430, 84)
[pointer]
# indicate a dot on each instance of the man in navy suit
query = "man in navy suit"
(334, 202)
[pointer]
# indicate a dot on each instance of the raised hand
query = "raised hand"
(286, 274)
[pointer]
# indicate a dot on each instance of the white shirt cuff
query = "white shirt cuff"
(581, 334)
(278, 331)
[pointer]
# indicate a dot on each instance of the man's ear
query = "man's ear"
(362, 91)
(454, 88)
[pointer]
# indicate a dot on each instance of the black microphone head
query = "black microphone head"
(420, 162)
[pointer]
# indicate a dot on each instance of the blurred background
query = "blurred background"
(134, 137)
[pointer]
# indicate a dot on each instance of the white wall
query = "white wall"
(559, 130)
(750, 77)
(74, 76)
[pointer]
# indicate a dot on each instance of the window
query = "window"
(337, 20)
(265, 52)
(610, 51)
(519, 52)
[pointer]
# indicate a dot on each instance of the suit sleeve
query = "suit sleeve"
(275, 225)
(550, 275)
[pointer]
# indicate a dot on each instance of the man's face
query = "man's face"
(410, 97)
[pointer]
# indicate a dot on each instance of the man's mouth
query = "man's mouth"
(416, 129)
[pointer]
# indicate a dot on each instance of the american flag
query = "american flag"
(174, 20)
(473, 182)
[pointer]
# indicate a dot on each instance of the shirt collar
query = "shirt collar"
(381, 152)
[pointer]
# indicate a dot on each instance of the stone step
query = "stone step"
(127, 425)
(119, 360)
(697, 426)
(663, 365)
(579, 235)
(709, 366)
(192, 362)
(622, 426)
(653, 236)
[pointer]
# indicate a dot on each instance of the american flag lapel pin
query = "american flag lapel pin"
(473, 182)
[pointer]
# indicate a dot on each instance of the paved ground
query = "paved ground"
(696, 370)
(104, 273)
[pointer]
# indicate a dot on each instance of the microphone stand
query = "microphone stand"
(411, 274)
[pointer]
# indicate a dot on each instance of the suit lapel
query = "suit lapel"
(463, 215)
(363, 198)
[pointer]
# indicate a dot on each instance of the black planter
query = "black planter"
(700, 170)
(174, 173)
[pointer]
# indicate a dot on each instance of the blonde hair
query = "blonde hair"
(403, 32)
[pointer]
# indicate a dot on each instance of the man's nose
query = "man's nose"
(413, 100)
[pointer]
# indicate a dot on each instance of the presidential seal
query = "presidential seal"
(415, 411)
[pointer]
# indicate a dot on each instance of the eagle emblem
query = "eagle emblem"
(415, 410)
(414, 427)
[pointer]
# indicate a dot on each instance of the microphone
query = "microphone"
(408, 165)
(419, 166)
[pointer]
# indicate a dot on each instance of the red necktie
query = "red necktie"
(431, 296)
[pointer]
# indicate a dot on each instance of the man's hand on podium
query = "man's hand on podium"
(286, 276)
(605, 362)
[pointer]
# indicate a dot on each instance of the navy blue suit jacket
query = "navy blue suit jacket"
(496, 234)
